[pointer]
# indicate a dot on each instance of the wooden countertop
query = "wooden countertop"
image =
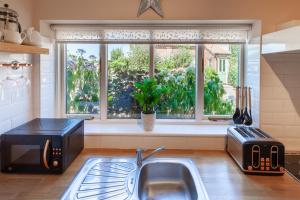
(221, 177)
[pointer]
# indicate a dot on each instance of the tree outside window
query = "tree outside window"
(82, 79)
(127, 64)
(176, 69)
(219, 85)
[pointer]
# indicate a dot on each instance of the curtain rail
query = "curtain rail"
(139, 42)
(241, 27)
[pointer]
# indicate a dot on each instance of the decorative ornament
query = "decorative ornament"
(153, 4)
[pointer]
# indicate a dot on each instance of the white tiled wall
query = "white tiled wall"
(47, 82)
(280, 98)
(15, 101)
(252, 78)
(152, 142)
(252, 70)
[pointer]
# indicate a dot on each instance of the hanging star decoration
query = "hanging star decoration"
(153, 4)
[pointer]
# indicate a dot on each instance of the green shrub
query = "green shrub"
(213, 95)
(234, 65)
(123, 72)
(182, 96)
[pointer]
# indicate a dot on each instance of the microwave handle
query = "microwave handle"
(45, 154)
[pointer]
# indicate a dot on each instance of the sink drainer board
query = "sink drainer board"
(121, 179)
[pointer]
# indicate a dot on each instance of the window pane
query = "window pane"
(175, 68)
(82, 79)
(219, 85)
(127, 64)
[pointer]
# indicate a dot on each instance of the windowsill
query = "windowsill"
(95, 127)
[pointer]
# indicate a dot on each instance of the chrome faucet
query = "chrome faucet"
(139, 157)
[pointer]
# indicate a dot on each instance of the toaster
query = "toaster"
(254, 151)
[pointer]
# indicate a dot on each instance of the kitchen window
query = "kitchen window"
(82, 79)
(221, 80)
(175, 67)
(100, 72)
(127, 64)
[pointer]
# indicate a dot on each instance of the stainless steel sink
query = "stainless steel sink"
(121, 179)
(164, 180)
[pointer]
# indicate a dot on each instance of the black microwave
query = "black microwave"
(42, 146)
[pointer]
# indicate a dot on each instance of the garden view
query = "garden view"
(175, 68)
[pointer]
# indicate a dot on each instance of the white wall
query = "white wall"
(252, 70)
(48, 82)
(271, 12)
(280, 95)
(48, 76)
(16, 103)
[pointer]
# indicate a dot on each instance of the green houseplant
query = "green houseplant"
(148, 93)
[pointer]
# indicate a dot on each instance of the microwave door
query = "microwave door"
(24, 154)
(30, 154)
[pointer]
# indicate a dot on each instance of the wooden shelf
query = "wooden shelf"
(16, 48)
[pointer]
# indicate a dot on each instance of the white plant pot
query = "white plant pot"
(148, 121)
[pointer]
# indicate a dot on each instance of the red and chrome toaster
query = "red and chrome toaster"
(255, 151)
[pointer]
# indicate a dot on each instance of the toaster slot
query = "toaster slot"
(255, 156)
(257, 133)
(274, 157)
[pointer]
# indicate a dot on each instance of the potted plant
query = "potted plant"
(147, 94)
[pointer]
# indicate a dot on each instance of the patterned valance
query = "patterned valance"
(146, 34)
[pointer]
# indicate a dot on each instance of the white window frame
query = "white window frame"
(200, 118)
(222, 65)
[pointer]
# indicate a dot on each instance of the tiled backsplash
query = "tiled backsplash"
(252, 77)
(15, 100)
(48, 82)
(16, 103)
(280, 98)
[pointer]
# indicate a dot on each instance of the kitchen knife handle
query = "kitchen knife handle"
(242, 98)
(237, 100)
(250, 100)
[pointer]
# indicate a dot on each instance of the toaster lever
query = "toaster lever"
(255, 156)
(274, 157)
